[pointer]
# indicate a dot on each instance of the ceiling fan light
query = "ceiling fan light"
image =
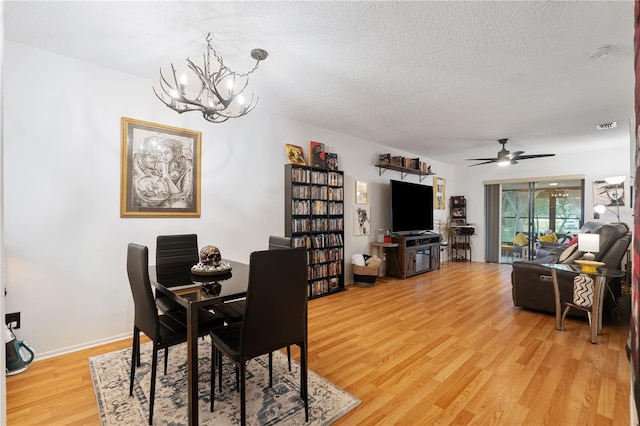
(503, 163)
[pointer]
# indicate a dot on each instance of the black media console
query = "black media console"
(414, 255)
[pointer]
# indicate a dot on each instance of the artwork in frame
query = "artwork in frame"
(361, 220)
(331, 159)
(439, 189)
(362, 192)
(295, 155)
(608, 194)
(160, 174)
(316, 155)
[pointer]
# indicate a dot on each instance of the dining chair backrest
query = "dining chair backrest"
(146, 313)
(173, 251)
(276, 306)
(276, 242)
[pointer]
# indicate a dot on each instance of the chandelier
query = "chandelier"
(216, 94)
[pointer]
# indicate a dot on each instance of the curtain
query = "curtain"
(492, 223)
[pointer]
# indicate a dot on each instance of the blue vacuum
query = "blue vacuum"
(19, 353)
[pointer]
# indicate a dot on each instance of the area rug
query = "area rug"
(280, 404)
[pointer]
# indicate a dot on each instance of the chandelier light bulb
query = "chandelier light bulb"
(241, 100)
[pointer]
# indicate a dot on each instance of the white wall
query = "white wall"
(64, 239)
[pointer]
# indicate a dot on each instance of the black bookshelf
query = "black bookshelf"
(314, 218)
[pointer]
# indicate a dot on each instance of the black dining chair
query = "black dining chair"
(163, 330)
(174, 252)
(275, 316)
(233, 310)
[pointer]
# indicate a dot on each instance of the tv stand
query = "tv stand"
(414, 255)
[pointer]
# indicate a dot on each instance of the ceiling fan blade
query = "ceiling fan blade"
(492, 160)
(514, 155)
(528, 157)
(482, 159)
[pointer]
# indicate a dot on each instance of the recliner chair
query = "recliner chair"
(532, 285)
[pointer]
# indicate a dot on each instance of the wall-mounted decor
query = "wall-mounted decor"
(439, 187)
(608, 194)
(361, 220)
(316, 155)
(160, 170)
(362, 192)
(295, 155)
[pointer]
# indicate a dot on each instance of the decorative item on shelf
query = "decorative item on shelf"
(608, 193)
(397, 160)
(589, 243)
(331, 159)
(218, 96)
(210, 262)
(295, 155)
(384, 159)
(317, 155)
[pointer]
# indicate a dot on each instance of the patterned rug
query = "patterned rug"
(280, 404)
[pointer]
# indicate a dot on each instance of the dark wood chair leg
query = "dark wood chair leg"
(243, 385)
(135, 352)
(154, 365)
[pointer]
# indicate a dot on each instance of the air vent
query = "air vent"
(607, 126)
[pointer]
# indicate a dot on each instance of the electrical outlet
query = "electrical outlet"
(14, 317)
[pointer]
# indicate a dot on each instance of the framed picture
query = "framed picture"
(316, 155)
(160, 174)
(331, 159)
(361, 220)
(438, 193)
(362, 192)
(608, 194)
(295, 155)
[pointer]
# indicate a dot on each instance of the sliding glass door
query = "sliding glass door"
(530, 210)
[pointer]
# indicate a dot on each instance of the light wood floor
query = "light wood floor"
(446, 347)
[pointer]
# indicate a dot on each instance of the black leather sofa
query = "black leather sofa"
(532, 286)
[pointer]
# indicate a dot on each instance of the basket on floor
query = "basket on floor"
(365, 276)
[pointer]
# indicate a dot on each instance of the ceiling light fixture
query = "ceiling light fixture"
(599, 52)
(218, 96)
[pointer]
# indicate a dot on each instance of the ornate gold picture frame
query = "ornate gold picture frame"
(160, 174)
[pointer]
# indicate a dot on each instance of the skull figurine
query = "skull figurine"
(210, 255)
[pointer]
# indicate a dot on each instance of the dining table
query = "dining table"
(197, 291)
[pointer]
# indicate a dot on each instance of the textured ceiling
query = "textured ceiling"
(443, 80)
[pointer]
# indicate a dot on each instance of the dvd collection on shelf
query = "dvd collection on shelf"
(314, 210)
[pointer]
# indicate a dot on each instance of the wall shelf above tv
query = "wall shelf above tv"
(404, 171)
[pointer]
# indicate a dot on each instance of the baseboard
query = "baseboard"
(85, 345)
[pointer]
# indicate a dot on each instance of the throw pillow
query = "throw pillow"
(570, 255)
(573, 241)
(549, 238)
(567, 253)
(358, 259)
(520, 239)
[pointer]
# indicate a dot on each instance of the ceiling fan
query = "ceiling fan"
(505, 157)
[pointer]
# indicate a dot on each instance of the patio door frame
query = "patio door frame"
(493, 211)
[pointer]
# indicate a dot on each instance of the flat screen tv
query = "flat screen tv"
(411, 207)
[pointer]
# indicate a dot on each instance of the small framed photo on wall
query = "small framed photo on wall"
(362, 192)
